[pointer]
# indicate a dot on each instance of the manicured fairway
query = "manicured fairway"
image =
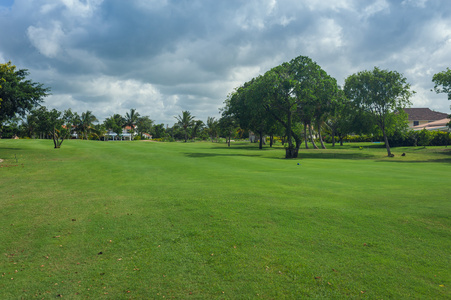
(134, 220)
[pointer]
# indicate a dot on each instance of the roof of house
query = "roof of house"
(426, 114)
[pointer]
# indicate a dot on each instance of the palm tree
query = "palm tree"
(185, 121)
(131, 119)
(85, 123)
(198, 125)
(212, 125)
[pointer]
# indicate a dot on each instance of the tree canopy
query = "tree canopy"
(442, 82)
(380, 94)
(292, 93)
(17, 93)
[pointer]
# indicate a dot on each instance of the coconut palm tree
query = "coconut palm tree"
(185, 121)
(85, 123)
(131, 119)
(212, 125)
(198, 125)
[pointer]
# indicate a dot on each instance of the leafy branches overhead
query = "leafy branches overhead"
(17, 93)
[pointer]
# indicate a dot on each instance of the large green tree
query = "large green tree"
(144, 125)
(115, 123)
(381, 94)
(186, 121)
(17, 93)
(158, 131)
(246, 106)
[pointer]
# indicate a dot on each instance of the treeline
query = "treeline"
(300, 101)
(297, 101)
(60, 125)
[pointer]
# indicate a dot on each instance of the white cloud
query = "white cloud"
(47, 40)
(375, 8)
(418, 3)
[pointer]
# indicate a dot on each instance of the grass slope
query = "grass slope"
(128, 220)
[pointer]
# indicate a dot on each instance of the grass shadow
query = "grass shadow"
(204, 154)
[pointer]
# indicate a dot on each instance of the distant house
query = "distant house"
(125, 134)
(440, 125)
(421, 116)
(147, 136)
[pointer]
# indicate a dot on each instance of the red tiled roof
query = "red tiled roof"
(424, 114)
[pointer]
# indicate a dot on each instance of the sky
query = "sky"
(162, 57)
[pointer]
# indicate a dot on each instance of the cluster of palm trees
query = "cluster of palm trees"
(193, 128)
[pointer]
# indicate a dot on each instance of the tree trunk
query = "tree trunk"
(271, 140)
(291, 152)
(386, 143)
(320, 137)
(305, 135)
(260, 145)
(290, 142)
(333, 137)
(311, 137)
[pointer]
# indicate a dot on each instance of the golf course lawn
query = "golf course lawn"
(149, 220)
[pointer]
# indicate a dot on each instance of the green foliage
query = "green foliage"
(212, 128)
(421, 138)
(381, 94)
(115, 123)
(442, 82)
(287, 96)
(131, 120)
(144, 125)
(186, 121)
(158, 131)
(17, 93)
(424, 138)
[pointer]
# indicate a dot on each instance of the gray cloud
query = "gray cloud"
(162, 57)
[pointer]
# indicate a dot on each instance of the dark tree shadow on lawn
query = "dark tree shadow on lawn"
(204, 154)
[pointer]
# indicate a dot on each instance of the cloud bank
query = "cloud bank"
(162, 57)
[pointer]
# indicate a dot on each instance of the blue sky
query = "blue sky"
(161, 56)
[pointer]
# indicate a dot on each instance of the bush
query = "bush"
(420, 138)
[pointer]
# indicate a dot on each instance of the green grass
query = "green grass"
(133, 220)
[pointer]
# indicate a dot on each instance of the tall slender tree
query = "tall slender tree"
(131, 119)
(185, 121)
(198, 125)
(212, 125)
(85, 123)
